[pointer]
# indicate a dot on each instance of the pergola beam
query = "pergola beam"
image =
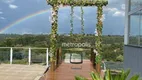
(78, 2)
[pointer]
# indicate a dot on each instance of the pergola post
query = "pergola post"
(53, 39)
(99, 27)
(98, 42)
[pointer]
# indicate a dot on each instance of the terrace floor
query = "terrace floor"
(67, 71)
(21, 72)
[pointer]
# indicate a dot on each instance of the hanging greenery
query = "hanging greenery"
(99, 26)
(82, 21)
(71, 21)
(78, 2)
(53, 39)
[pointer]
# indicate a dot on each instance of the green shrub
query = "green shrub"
(123, 75)
(119, 58)
(18, 55)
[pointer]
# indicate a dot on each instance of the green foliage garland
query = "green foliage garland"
(78, 2)
(71, 21)
(98, 59)
(53, 39)
(99, 26)
(82, 21)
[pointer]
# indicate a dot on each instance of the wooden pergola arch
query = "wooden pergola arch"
(54, 21)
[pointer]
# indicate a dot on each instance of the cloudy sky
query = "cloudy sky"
(11, 11)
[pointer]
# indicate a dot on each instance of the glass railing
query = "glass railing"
(24, 55)
(76, 58)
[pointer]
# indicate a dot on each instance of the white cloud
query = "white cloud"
(123, 6)
(10, 3)
(115, 11)
(119, 13)
(1, 12)
(12, 6)
(2, 18)
(110, 9)
(25, 32)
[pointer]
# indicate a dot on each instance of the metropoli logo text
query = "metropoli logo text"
(76, 45)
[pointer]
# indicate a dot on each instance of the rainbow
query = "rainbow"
(24, 19)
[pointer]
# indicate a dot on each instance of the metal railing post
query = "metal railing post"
(47, 57)
(11, 55)
(29, 56)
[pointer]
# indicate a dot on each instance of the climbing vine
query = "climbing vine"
(82, 21)
(71, 20)
(99, 26)
(53, 39)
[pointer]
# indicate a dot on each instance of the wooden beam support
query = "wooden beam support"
(78, 2)
(53, 39)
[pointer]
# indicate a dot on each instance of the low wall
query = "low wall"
(133, 59)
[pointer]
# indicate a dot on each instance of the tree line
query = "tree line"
(112, 44)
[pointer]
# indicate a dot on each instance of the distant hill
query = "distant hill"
(43, 40)
(112, 44)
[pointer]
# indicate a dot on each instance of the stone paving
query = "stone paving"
(21, 72)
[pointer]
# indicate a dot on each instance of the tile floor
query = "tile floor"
(21, 72)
